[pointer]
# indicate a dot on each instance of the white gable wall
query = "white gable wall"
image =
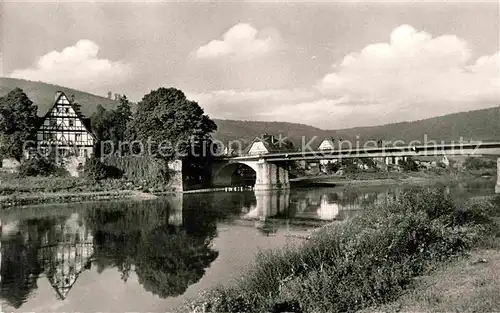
(257, 148)
(326, 145)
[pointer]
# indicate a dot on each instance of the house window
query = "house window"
(71, 122)
(47, 136)
(85, 153)
(53, 122)
(66, 110)
(78, 137)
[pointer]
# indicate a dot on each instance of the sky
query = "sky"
(327, 64)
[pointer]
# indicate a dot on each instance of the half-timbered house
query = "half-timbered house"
(64, 128)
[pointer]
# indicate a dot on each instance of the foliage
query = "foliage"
(409, 165)
(18, 118)
(111, 125)
(167, 115)
(95, 170)
(39, 165)
(333, 167)
(478, 163)
(139, 168)
(369, 260)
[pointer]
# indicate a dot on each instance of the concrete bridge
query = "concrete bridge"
(271, 169)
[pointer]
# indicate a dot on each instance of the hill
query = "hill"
(472, 125)
(246, 131)
(42, 94)
(481, 124)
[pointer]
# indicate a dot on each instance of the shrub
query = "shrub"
(39, 166)
(477, 163)
(409, 165)
(95, 169)
(368, 260)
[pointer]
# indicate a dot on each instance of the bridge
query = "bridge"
(271, 169)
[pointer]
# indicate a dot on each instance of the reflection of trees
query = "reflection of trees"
(166, 258)
(25, 256)
(20, 270)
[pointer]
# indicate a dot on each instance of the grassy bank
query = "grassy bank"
(370, 260)
(16, 190)
(470, 284)
(384, 177)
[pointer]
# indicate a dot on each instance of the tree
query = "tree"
(111, 125)
(166, 115)
(122, 116)
(17, 122)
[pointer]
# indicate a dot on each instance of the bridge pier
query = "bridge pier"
(497, 187)
(271, 176)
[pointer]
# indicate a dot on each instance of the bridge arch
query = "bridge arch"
(267, 175)
(233, 174)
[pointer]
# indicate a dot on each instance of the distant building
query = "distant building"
(64, 128)
(327, 144)
(269, 144)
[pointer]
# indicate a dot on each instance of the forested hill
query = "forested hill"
(473, 125)
(42, 94)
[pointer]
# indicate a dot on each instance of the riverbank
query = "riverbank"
(370, 260)
(16, 191)
(391, 178)
(470, 284)
(69, 197)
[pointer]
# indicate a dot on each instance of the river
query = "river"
(149, 256)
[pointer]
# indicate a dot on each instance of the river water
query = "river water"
(149, 256)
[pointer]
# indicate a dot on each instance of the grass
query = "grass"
(471, 284)
(16, 190)
(366, 262)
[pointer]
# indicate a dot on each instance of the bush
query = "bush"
(410, 165)
(136, 168)
(95, 169)
(477, 163)
(368, 260)
(40, 166)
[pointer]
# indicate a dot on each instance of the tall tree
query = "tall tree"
(17, 123)
(166, 115)
(122, 116)
(111, 125)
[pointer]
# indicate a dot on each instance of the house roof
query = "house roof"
(330, 140)
(85, 120)
(273, 144)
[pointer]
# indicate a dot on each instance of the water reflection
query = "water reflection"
(165, 245)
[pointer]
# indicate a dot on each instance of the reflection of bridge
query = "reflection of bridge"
(271, 169)
(312, 205)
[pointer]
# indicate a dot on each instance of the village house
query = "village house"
(269, 144)
(327, 144)
(65, 131)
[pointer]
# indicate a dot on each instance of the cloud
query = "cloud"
(76, 66)
(240, 41)
(415, 67)
(247, 104)
(412, 76)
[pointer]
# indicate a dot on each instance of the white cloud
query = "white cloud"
(412, 76)
(240, 41)
(414, 66)
(76, 66)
